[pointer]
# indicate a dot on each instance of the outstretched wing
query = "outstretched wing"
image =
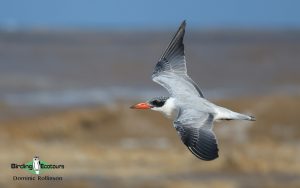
(197, 135)
(170, 71)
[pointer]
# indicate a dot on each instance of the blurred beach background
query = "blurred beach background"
(69, 70)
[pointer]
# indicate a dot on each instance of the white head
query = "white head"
(166, 105)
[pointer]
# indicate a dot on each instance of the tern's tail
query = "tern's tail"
(225, 114)
(244, 117)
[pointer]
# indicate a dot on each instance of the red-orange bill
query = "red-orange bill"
(142, 105)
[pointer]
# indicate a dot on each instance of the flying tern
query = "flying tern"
(192, 114)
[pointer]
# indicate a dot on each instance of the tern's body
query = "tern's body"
(172, 107)
(192, 114)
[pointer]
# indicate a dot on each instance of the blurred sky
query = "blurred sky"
(148, 14)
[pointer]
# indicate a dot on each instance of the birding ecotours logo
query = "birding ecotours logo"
(37, 166)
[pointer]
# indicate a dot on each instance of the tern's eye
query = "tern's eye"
(158, 103)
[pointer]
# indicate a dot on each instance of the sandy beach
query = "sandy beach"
(115, 146)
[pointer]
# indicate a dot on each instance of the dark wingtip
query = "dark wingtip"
(206, 156)
(183, 24)
(176, 44)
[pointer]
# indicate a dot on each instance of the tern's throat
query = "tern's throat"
(169, 108)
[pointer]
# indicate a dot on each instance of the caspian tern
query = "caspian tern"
(192, 114)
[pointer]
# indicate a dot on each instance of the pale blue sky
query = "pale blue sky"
(149, 14)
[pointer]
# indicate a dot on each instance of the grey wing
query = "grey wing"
(197, 135)
(170, 71)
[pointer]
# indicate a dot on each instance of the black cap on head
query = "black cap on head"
(158, 101)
